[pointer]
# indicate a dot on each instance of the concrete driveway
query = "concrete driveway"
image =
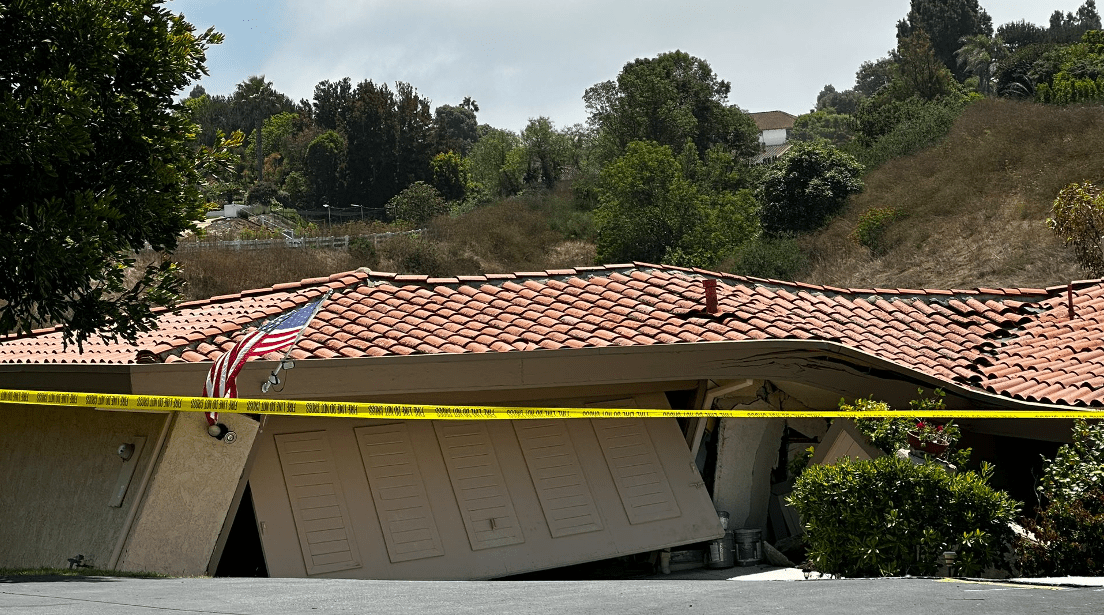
(701, 591)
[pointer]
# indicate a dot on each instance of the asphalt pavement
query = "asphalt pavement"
(702, 591)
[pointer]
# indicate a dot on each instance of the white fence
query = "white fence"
(339, 242)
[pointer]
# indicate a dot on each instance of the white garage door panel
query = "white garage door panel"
(439, 500)
(562, 488)
(478, 484)
(399, 493)
(636, 469)
(317, 504)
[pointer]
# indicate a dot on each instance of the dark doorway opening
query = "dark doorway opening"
(243, 556)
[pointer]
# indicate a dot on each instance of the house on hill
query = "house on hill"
(300, 496)
(774, 134)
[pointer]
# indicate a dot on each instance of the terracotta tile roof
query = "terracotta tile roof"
(772, 120)
(1019, 343)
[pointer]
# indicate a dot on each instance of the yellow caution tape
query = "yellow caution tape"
(141, 403)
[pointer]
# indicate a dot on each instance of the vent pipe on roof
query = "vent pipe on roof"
(710, 296)
(1069, 299)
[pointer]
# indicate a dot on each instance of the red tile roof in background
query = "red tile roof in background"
(1018, 343)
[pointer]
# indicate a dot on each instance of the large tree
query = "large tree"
(669, 99)
(95, 161)
(650, 211)
(946, 22)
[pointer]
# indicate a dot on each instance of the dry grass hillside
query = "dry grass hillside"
(975, 206)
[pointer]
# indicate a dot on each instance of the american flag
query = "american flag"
(277, 334)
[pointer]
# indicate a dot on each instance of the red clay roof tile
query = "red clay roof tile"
(1013, 342)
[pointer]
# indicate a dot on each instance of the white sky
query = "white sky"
(521, 59)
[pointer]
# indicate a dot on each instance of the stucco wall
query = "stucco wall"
(747, 451)
(188, 497)
(58, 471)
(773, 137)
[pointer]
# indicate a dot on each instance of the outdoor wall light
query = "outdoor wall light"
(218, 431)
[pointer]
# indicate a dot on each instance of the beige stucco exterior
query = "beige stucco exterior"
(189, 497)
(59, 468)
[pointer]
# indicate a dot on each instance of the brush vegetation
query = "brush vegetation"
(970, 211)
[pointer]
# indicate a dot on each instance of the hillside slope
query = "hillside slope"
(975, 206)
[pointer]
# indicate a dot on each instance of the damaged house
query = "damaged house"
(414, 499)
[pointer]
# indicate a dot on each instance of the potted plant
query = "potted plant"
(932, 438)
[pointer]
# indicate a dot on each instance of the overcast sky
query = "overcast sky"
(526, 59)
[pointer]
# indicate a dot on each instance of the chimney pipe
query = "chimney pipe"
(1069, 299)
(710, 296)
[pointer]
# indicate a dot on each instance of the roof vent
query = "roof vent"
(710, 296)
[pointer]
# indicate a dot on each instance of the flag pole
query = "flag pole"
(274, 378)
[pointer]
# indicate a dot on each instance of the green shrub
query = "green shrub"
(890, 517)
(778, 258)
(1070, 528)
(872, 226)
(806, 187)
(898, 129)
(417, 204)
(364, 251)
(417, 255)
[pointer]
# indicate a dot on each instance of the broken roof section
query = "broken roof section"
(1017, 343)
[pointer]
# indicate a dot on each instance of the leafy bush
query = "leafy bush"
(1070, 529)
(890, 517)
(364, 251)
(417, 255)
(778, 258)
(418, 203)
(806, 187)
(872, 226)
(898, 129)
(1078, 220)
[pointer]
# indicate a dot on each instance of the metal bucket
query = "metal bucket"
(720, 552)
(749, 547)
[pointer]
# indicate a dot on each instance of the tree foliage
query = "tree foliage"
(917, 71)
(546, 152)
(455, 128)
(651, 211)
(873, 75)
(946, 22)
(494, 164)
(1072, 73)
(670, 99)
(1077, 218)
(451, 176)
(845, 102)
(95, 161)
(806, 187)
(823, 125)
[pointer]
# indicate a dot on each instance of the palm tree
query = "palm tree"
(980, 55)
